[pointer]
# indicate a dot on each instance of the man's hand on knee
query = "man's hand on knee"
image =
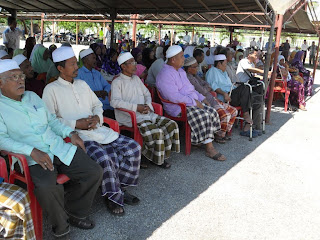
(42, 159)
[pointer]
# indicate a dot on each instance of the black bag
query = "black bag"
(253, 81)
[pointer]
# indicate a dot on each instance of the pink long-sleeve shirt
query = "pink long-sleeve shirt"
(175, 86)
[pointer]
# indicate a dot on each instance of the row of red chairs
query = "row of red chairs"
(25, 177)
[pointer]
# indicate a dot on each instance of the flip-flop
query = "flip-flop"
(247, 134)
(216, 157)
(111, 206)
(81, 223)
(130, 199)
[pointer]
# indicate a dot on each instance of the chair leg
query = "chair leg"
(188, 138)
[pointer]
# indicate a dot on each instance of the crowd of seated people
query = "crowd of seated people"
(52, 96)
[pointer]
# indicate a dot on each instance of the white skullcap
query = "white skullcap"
(189, 61)
(3, 53)
(62, 54)
(173, 51)
(123, 57)
(220, 57)
(7, 65)
(19, 58)
(86, 52)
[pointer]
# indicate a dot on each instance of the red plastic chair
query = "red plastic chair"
(36, 210)
(152, 91)
(183, 118)
(282, 88)
(134, 129)
(3, 169)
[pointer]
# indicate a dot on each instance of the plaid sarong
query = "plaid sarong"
(227, 115)
(15, 214)
(204, 123)
(120, 161)
(159, 139)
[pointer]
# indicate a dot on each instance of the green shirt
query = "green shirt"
(27, 124)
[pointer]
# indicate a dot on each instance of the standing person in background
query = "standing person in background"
(259, 43)
(195, 39)
(304, 48)
(30, 43)
(202, 40)
(101, 34)
(11, 36)
(127, 36)
(186, 38)
(235, 43)
(108, 37)
(253, 43)
(312, 54)
(174, 37)
(286, 50)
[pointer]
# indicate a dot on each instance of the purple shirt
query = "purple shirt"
(175, 86)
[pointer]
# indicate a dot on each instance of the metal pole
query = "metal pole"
(134, 30)
(77, 33)
(275, 63)
(41, 34)
(104, 33)
(192, 35)
(171, 35)
(31, 26)
(213, 36)
(53, 32)
(113, 16)
(159, 34)
(316, 63)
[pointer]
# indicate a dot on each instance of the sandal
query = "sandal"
(111, 206)
(81, 223)
(130, 199)
(227, 138)
(219, 140)
(165, 165)
(216, 157)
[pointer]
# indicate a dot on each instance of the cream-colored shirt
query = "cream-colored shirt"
(127, 92)
(73, 101)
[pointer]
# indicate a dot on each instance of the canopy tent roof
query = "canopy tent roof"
(132, 6)
(299, 22)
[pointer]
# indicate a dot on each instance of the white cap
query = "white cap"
(7, 65)
(62, 54)
(3, 53)
(86, 52)
(220, 57)
(173, 50)
(189, 61)
(123, 57)
(19, 58)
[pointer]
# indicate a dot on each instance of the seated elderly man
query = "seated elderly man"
(76, 105)
(95, 80)
(220, 82)
(226, 112)
(173, 84)
(160, 134)
(31, 83)
(27, 127)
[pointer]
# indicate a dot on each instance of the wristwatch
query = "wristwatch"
(72, 133)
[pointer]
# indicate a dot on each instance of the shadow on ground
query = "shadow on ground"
(163, 193)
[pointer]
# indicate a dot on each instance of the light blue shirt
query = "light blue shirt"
(218, 79)
(27, 124)
(96, 82)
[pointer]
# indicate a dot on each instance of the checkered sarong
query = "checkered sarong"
(204, 123)
(120, 161)
(159, 139)
(227, 115)
(15, 214)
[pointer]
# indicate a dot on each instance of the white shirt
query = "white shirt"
(154, 71)
(12, 38)
(244, 64)
(73, 101)
(187, 39)
(259, 45)
(195, 39)
(304, 47)
(253, 44)
(127, 92)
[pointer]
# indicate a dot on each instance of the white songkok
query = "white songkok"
(62, 54)
(7, 65)
(173, 51)
(86, 52)
(123, 57)
(3, 53)
(220, 57)
(19, 58)
(189, 61)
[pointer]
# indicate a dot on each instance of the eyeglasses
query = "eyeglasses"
(16, 78)
(132, 63)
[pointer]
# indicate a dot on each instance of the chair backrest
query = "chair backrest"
(3, 169)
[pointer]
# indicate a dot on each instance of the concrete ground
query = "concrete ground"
(267, 189)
